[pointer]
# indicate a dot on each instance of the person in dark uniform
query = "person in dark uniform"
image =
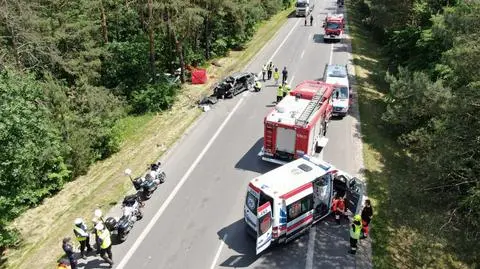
(367, 214)
(68, 248)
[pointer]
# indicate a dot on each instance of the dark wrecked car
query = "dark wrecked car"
(234, 84)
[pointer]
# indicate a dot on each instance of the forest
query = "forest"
(433, 104)
(69, 70)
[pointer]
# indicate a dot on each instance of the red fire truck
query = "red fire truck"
(333, 26)
(298, 124)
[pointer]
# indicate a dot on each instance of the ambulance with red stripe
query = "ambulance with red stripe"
(285, 202)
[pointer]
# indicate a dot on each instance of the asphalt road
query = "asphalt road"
(195, 220)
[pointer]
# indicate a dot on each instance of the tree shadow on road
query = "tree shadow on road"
(250, 161)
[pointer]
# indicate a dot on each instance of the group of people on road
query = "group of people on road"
(311, 20)
(359, 227)
(269, 71)
(103, 243)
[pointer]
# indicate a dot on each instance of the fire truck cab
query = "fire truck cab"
(298, 124)
(285, 202)
(333, 26)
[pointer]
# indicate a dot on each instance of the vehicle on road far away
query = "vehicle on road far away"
(303, 8)
(333, 27)
(234, 84)
(298, 124)
(285, 202)
(337, 75)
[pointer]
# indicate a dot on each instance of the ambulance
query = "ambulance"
(298, 124)
(284, 203)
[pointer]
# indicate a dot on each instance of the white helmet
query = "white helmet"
(78, 221)
(99, 226)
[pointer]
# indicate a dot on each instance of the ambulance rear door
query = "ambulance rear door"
(264, 227)
(355, 194)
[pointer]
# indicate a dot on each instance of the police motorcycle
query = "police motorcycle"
(131, 212)
(148, 183)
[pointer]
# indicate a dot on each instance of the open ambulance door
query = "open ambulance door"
(322, 195)
(264, 227)
(355, 194)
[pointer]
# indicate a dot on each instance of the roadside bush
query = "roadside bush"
(155, 97)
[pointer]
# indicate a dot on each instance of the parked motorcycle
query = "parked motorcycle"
(148, 183)
(131, 213)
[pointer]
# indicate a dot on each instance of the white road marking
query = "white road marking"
(303, 53)
(215, 260)
(309, 36)
(169, 199)
(311, 248)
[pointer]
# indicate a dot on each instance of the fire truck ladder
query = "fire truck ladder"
(311, 107)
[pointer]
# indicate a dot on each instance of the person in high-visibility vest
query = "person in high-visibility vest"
(276, 76)
(81, 233)
(286, 90)
(269, 70)
(355, 230)
(258, 86)
(279, 93)
(105, 243)
(264, 71)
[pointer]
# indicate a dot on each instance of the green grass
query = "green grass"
(131, 127)
(405, 228)
(144, 139)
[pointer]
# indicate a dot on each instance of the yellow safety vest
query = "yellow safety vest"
(79, 231)
(280, 91)
(264, 69)
(276, 75)
(105, 237)
(258, 84)
(286, 89)
(355, 233)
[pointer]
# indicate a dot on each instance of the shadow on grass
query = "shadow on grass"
(406, 228)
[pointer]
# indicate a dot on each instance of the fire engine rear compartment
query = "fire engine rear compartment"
(285, 143)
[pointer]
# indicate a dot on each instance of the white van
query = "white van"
(337, 75)
(285, 202)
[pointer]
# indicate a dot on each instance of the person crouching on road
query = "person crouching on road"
(68, 248)
(105, 243)
(276, 76)
(81, 233)
(258, 86)
(355, 230)
(367, 214)
(279, 94)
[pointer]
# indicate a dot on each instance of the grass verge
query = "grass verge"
(405, 228)
(145, 139)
